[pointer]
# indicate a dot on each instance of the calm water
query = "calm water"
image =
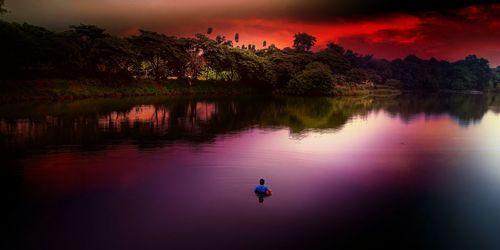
(413, 172)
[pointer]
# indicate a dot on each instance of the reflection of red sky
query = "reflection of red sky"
(157, 117)
(143, 114)
(22, 128)
(205, 111)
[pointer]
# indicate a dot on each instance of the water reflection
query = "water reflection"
(153, 122)
(261, 197)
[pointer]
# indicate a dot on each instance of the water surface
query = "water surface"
(409, 172)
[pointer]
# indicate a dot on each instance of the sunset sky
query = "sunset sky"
(388, 28)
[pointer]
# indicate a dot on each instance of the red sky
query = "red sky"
(447, 30)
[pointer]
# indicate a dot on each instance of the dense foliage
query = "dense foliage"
(316, 78)
(496, 78)
(86, 51)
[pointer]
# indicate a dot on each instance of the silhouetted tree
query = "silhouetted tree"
(210, 30)
(496, 77)
(194, 64)
(480, 69)
(220, 39)
(333, 57)
(237, 37)
(115, 57)
(158, 54)
(90, 40)
(303, 41)
(228, 43)
(264, 44)
(335, 47)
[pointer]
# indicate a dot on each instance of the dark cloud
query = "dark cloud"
(328, 10)
(471, 30)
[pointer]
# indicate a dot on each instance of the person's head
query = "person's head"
(261, 181)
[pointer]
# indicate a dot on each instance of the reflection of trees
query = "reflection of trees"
(300, 114)
(464, 108)
(494, 104)
(158, 121)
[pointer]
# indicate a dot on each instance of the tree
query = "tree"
(215, 56)
(237, 37)
(89, 40)
(333, 56)
(28, 51)
(210, 30)
(480, 71)
(228, 43)
(250, 67)
(158, 54)
(335, 47)
(303, 41)
(117, 57)
(315, 79)
(194, 64)
(220, 39)
(285, 64)
(496, 77)
(88, 32)
(264, 44)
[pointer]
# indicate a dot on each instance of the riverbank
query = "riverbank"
(37, 90)
(352, 90)
(19, 91)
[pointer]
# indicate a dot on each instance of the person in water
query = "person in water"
(262, 189)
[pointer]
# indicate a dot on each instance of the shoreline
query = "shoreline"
(67, 90)
(64, 90)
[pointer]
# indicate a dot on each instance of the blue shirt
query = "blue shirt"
(261, 189)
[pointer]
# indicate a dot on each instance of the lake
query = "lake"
(407, 172)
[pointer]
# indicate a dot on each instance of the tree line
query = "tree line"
(87, 51)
